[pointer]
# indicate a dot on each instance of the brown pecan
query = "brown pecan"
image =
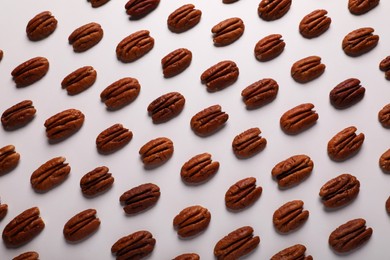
(359, 7)
(229, 1)
(191, 221)
(9, 159)
(50, 174)
(293, 170)
(187, 256)
(176, 62)
(314, 24)
(220, 75)
(1, 54)
(387, 205)
(120, 93)
(156, 152)
(97, 3)
(134, 46)
(199, 169)
(113, 138)
(384, 116)
(79, 80)
(307, 69)
(242, 194)
(23, 228)
(248, 143)
(81, 225)
(30, 71)
(269, 47)
(183, 18)
(350, 235)
(18, 115)
(236, 244)
(384, 65)
(3, 210)
(227, 31)
(30, 255)
(96, 181)
(209, 120)
(359, 41)
(63, 124)
(290, 216)
(346, 93)
(41, 26)
(384, 161)
(85, 37)
(345, 144)
(293, 252)
(298, 119)
(166, 107)
(339, 191)
(270, 10)
(140, 8)
(260, 93)
(137, 245)
(140, 198)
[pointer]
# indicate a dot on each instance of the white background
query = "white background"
(63, 202)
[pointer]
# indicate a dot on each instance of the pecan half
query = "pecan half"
(227, 31)
(137, 245)
(1, 54)
(199, 169)
(384, 116)
(79, 80)
(387, 205)
(307, 69)
(191, 221)
(140, 8)
(85, 37)
(236, 244)
(350, 235)
(9, 159)
(314, 24)
(293, 252)
(97, 3)
(30, 71)
(359, 41)
(248, 143)
(63, 124)
(113, 139)
(3, 210)
(187, 256)
(270, 10)
(298, 119)
(134, 46)
(260, 93)
(346, 93)
(41, 26)
(229, 1)
(166, 107)
(209, 120)
(23, 228)
(220, 75)
(18, 115)
(156, 152)
(140, 198)
(384, 161)
(242, 194)
(345, 144)
(384, 65)
(359, 7)
(176, 62)
(96, 181)
(269, 47)
(120, 93)
(183, 18)
(290, 216)
(81, 225)
(30, 255)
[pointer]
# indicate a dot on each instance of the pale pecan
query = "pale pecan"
(63, 124)
(134, 46)
(208, 120)
(166, 107)
(120, 93)
(187, 256)
(359, 7)
(81, 225)
(183, 18)
(260, 93)
(191, 221)
(339, 191)
(269, 47)
(220, 75)
(140, 8)
(9, 159)
(384, 65)
(140, 198)
(156, 152)
(350, 235)
(137, 245)
(248, 143)
(41, 26)
(30, 255)
(176, 62)
(290, 216)
(97, 3)
(346, 93)
(18, 115)
(384, 116)
(199, 169)
(79, 80)
(236, 244)
(314, 24)
(96, 181)
(298, 119)
(270, 10)
(227, 31)
(359, 41)
(291, 253)
(30, 71)
(3, 210)
(307, 69)
(113, 138)
(85, 37)
(242, 194)
(345, 144)
(384, 161)
(23, 228)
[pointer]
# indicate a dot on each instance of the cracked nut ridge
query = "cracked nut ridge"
(307, 69)
(248, 143)
(242, 194)
(120, 93)
(81, 226)
(345, 144)
(209, 120)
(290, 216)
(359, 41)
(140, 198)
(347, 93)
(384, 161)
(384, 116)
(220, 75)
(293, 252)
(41, 26)
(136, 245)
(79, 80)
(227, 31)
(138, 9)
(270, 10)
(260, 93)
(199, 169)
(96, 181)
(314, 24)
(9, 159)
(298, 119)
(191, 221)
(184, 18)
(113, 139)
(359, 7)
(156, 152)
(30, 71)
(166, 107)
(134, 46)
(176, 62)
(269, 47)
(18, 115)
(85, 37)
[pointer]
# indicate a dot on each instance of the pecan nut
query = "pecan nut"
(113, 139)
(30, 71)
(384, 161)
(359, 41)
(79, 80)
(166, 107)
(248, 143)
(191, 221)
(176, 62)
(81, 225)
(140, 198)
(227, 31)
(1, 54)
(97, 3)
(346, 93)
(229, 1)
(156, 152)
(23, 228)
(290, 216)
(41, 26)
(96, 181)
(260, 93)
(9, 159)
(242, 194)
(345, 144)
(307, 69)
(269, 47)
(384, 65)
(209, 120)
(184, 18)
(270, 10)
(220, 75)
(387, 205)
(199, 169)
(359, 7)
(63, 124)
(85, 37)
(18, 115)
(384, 116)
(140, 8)
(187, 256)
(120, 93)
(3, 210)
(137, 245)
(30, 255)
(314, 24)
(134, 46)
(293, 252)
(298, 119)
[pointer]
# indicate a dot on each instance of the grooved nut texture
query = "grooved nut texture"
(227, 31)
(298, 119)
(134, 46)
(113, 139)
(293, 252)
(359, 41)
(63, 124)
(359, 7)
(9, 159)
(79, 80)
(85, 37)
(220, 75)
(199, 169)
(176, 62)
(191, 221)
(96, 181)
(30, 71)
(270, 10)
(290, 216)
(81, 225)
(166, 107)
(18, 115)
(140, 198)
(314, 24)
(307, 69)
(184, 18)
(242, 194)
(120, 93)
(260, 93)
(41, 26)
(136, 245)
(209, 120)
(30, 255)
(97, 3)
(384, 116)
(140, 8)
(345, 144)
(269, 47)
(347, 93)
(156, 152)
(248, 143)
(384, 161)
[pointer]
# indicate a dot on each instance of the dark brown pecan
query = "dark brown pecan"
(3, 210)
(229, 1)
(191, 221)
(41, 26)
(140, 198)
(166, 107)
(96, 181)
(350, 236)
(18, 115)
(387, 205)
(199, 169)
(113, 138)
(1, 54)
(81, 225)
(291, 253)
(120, 93)
(50, 174)
(9, 159)
(227, 31)
(359, 7)
(269, 47)
(156, 152)
(242, 194)
(140, 8)
(384, 161)
(23, 228)
(248, 143)
(345, 144)
(220, 75)
(134, 46)
(384, 116)
(270, 10)
(85, 37)
(176, 62)
(187, 256)
(290, 216)
(260, 93)
(97, 3)
(30, 255)
(314, 24)
(63, 124)
(384, 65)
(347, 93)
(298, 119)
(360, 41)
(79, 80)
(293, 170)
(137, 245)
(307, 69)
(30, 71)
(236, 244)
(339, 191)
(183, 18)
(209, 120)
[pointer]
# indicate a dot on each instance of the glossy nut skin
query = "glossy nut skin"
(63, 124)
(220, 75)
(359, 7)
(347, 93)
(384, 161)
(156, 152)
(296, 251)
(192, 221)
(314, 24)
(120, 93)
(208, 120)
(260, 93)
(140, 8)
(85, 37)
(18, 115)
(81, 225)
(97, 3)
(9, 159)
(30, 255)
(227, 31)
(136, 245)
(30, 71)
(307, 69)
(248, 143)
(166, 107)
(298, 119)
(187, 256)
(184, 18)
(270, 10)
(176, 62)
(290, 216)
(384, 116)
(3, 210)
(113, 139)
(134, 46)
(79, 80)
(199, 169)
(96, 181)
(242, 194)
(359, 41)
(140, 198)
(41, 26)
(384, 65)
(269, 47)
(345, 144)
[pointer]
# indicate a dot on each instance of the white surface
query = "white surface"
(61, 203)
